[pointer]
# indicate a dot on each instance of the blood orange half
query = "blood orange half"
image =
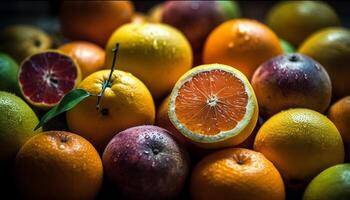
(214, 106)
(45, 77)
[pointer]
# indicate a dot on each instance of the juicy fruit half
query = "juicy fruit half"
(213, 105)
(44, 78)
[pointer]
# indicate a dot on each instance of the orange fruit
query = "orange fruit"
(241, 43)
(300, 143)
(44, 78)
(339, 114)
(157, 54)
(236, 173)
(58, 165)
(126, 103)
(296, 20)
(331, 48)
(89, 56)
(214, 106)
(94, 21)
(163, 121)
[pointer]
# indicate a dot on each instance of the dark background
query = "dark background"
(45, 12)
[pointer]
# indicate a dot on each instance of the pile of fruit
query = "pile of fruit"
(189, 101)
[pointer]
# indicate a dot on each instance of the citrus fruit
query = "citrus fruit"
(155, 13)
(21, 41)
(331, 47)
(163, 121)
(291, 81)
(333, 183)
(236, 173)
(58, 165)
(139, 18)
(339, 114)
(296, 20)
(89, 56)
(17, 122)
(151, 52)
(286, 46)
(94, 21)
(44, 78)
(300, 143)
(126, 103)
(8, 74)
(241, 43)
(214, 106)
(196, 19)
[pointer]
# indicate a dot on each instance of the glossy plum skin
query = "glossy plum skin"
(196, 19)
(145, 162)
(290, 81)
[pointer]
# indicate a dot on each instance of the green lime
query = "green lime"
(8, 74)
(17, 122)
(331, 184)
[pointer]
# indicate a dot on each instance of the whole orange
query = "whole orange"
(58, 165)
(89, 56)
(126, 103)
(236, 173)
(241, 43)
(339, 114)
(94, 21)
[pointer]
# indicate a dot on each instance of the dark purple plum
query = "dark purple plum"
(145, 162)
(196, 19)
(291, 81)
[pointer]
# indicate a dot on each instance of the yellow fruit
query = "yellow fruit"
(300, 143)
(126, 103)
(157, 54)
(294, 21)
(331, 48)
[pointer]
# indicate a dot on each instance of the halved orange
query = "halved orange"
(214, 106)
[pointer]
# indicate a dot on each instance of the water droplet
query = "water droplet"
(296, 76)
(318, 67)
(147, 137)
(231, 45)
(146, 152)
(241, 30)
(305, 76)
(274, 67)
(155, 44)
(62, 146)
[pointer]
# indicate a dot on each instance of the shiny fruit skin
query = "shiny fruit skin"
(331, 48)
(241, 43)
(151, 52)
(58, 165)
(236, 173)
(125, 104)
(94, 21)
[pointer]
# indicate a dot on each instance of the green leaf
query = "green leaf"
(70, 100)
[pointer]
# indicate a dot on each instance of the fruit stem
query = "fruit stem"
(108, 82)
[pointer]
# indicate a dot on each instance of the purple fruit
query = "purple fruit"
(290, 81)
(196, 19)
(145, 162)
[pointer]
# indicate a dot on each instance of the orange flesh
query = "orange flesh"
(211, 102)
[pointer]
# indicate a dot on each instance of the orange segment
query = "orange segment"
(215, 97)
(214, 106)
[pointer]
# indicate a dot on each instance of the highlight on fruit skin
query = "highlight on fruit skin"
(214, 106)
(44, 78)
